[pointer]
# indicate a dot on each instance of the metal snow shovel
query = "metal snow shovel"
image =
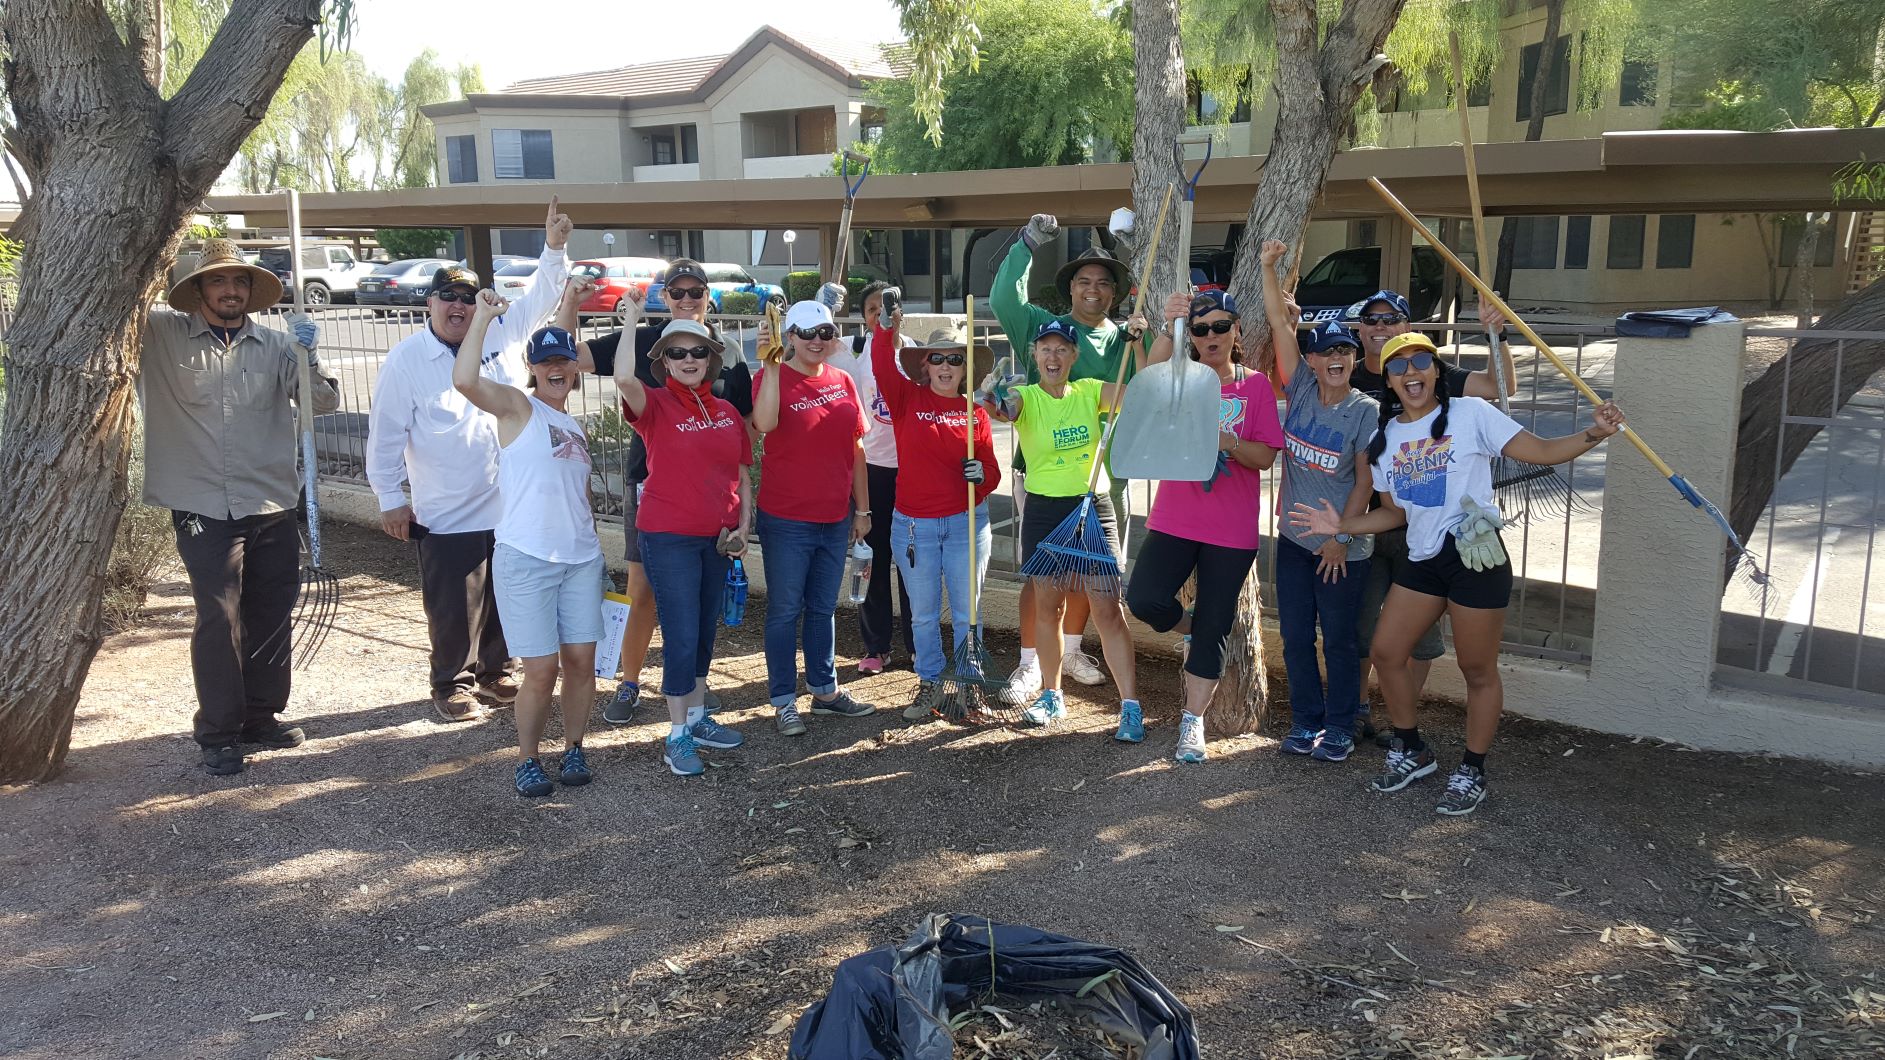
(850, 202)
(1167, 424)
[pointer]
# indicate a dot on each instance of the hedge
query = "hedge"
(739, 303)
(803, 287)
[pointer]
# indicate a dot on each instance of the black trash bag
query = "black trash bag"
(1669, 323)
(893, 1002)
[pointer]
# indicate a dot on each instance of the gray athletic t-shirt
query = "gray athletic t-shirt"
(1320, 443)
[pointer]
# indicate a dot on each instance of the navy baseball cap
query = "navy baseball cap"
(1327, 336)
(548, 343)
(1211, 302)
(1060, 328)
(1393, 298)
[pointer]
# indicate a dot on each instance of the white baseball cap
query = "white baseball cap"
(803, 316)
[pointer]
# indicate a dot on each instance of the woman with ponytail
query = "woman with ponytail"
(1432, 465)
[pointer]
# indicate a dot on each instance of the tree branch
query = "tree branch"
(145, 25)
(229, 91)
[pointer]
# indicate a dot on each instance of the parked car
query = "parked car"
(398, 283)
(329, 272)
(1210, 269)
(499, 262)
(614, 278)
(723, 279)
(513, 281)
(1334, 289)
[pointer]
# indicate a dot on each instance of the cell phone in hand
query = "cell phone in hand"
(892, 302)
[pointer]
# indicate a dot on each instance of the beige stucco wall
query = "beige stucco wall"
(587, 146)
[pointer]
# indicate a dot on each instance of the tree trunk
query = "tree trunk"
(110, 202)
(1158, 68)
(1534, 130)
(1803, 267)
(1316, 89)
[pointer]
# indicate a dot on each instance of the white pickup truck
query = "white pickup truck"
(329, 272)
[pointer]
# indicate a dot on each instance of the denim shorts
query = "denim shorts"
(546, 605)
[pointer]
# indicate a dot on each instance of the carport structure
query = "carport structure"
(1618, 173)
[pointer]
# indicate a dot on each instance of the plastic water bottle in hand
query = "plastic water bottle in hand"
(734, 611)
(857, 574)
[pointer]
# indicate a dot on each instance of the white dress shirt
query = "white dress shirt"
(421, 431)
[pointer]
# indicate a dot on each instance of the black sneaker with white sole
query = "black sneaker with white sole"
(1465, 790)
(1404, 767)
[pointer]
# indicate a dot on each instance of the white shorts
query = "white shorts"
(545, 605)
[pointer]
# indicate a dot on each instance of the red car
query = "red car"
(614, 278)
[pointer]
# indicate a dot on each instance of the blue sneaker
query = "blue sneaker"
(682, 755)
(1131, 722)
(573, 770)
(621, 709)
(531, 783)
(1047, 709)
(710, 733)
(1333, 747)
(1301, 740)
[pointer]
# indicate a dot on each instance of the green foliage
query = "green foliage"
(739, 303)
(144, 545)
(413, 242)
(10, 257)
(1861, 180)
(1771, 64)
(1054, 77)
(1048, 297)
(801, 286)
(942, 36)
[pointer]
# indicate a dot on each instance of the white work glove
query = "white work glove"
(1477, 536)
(305, 331)
(831, 295)
(997, 388)
(1041, 228)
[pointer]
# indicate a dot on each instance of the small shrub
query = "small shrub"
(145, 545)
(739, 303)
(801, 286)
(1048, 297)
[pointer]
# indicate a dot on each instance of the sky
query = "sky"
(517, 39)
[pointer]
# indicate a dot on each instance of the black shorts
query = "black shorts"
(1446, 576)
(631, 537)
(1041, 515)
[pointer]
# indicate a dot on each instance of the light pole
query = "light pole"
(790, 238)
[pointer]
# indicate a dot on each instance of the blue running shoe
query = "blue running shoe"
(710, 733)
(573, 770)
(1047, 709)
(1131, 722)
(1300, 740)
(1333, 747)
(682, 755)
(531, 783)
(621, 709)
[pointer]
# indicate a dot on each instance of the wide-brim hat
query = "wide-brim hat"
(686, 332)
(913, 359)
(218, 254)
(1122, 276)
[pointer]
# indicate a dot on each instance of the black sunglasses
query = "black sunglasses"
(676, 353)
(1216, 327)
(1419, 362)
(461, 297)
(823, 333)
(689, 293)
(953, 360)
(1378, 319)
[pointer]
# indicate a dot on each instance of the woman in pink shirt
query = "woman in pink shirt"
(1210, 527)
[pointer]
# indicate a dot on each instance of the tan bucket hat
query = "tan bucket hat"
(913, 359)
(218, 254)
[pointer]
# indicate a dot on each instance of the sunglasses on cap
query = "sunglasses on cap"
(677, 353)
(687, 293)
(461, 297)
(953, 360)
(1378, 319)
(1215, 327)
(1419, 362)
(823, 333)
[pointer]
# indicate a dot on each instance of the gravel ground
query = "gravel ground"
(380, 892)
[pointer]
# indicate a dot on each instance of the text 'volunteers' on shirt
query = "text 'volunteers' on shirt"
(1225, 510)
(1059, 437)
(930, 440)
(1427, 476)
(697, 449)
(814, 447)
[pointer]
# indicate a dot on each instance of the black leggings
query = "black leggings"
(1163, 564)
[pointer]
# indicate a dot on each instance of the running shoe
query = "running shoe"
(842, 705)
(1404, 767)
(1333, 747)
(710, 733)
(530, 781)
(1048, 708)
(1300, 740)
(1131, 723)
(786, 716)
(926, 704)
(1465, 790)
(1023, 684)
(621, 709)
(1082, 668)
(573, 770)
(682, 755)
(1190, 738)
(873, 663)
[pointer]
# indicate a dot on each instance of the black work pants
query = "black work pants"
(461, 618)
(244, 576)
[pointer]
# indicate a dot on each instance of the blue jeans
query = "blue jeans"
(689, 577)
(932, 554)
(804, 569)
(1302, 597)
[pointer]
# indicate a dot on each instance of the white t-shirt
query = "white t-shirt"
(1427, 476)
(880, 440)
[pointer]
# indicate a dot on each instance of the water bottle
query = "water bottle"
(857, 576)
(734, 611)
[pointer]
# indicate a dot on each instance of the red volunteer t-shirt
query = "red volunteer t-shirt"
(820, 422)
(694, 463)
(930, 447)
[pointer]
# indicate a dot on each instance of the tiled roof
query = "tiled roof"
(670, 76)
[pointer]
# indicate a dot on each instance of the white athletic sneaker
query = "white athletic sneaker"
(1082, 668)
(1023, 684)
(1190, 738)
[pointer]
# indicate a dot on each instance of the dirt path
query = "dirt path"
(381, 893)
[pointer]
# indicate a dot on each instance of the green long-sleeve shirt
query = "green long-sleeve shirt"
(1099, 348)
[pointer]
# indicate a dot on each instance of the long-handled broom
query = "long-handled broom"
(1076, 555)
(967, 675)
(1744, 560)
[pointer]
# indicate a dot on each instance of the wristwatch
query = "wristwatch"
(1344, 539)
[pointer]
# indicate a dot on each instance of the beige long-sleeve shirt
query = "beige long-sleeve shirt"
(219, 421)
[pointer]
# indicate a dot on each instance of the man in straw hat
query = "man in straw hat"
(219, 443)
(423, 433)
(1092, 283)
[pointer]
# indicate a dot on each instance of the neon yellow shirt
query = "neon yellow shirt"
(1059, 437)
